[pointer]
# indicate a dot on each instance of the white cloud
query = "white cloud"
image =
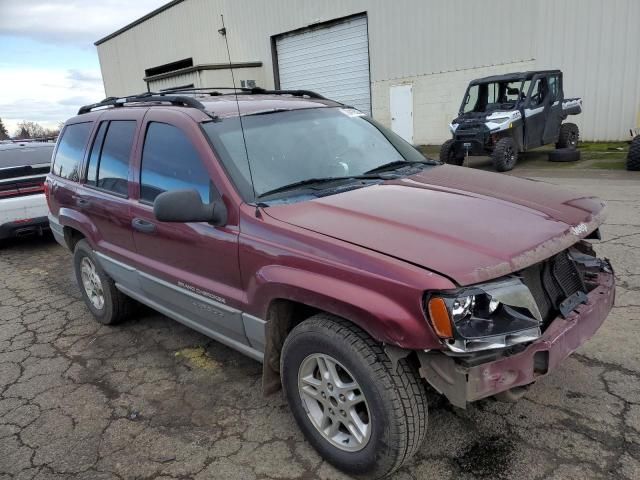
(46, 96)
(74, 21)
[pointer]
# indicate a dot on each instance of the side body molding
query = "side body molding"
(216, 320)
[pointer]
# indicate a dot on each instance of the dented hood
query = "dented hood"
(469, 225)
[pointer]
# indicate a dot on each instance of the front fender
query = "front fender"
(385, 318)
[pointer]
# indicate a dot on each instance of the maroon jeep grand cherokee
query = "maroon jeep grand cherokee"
(311, 238)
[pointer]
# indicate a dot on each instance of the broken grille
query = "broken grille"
(551, 282)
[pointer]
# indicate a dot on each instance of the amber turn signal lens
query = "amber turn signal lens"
(439, 316)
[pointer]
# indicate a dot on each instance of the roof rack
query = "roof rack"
(214, 91)
(167, 96)
(295, 93)
(148, 97)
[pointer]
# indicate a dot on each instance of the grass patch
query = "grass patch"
(603, 147)
(609, 165)
(197, 358)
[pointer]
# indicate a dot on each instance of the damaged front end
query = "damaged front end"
(506, 333)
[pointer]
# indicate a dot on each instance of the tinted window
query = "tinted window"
(113, 165)
(171, 162)
(70, 150)
(92, 168)
(554, 87)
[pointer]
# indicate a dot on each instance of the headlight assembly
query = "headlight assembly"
(487, 316)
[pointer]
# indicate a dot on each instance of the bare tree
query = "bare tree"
(28, 129)
(4, 135)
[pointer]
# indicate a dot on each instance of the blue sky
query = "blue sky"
(48, 63)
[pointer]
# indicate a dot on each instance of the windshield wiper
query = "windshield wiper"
(304, 183)
(267, 112)
(395, 165)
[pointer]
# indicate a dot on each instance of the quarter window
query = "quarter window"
(171, 162)
(66, 163)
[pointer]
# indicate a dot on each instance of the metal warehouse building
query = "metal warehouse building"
(407, 62)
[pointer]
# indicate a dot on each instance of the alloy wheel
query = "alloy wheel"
(334, 402)
(91, 283)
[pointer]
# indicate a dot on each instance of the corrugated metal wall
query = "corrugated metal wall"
(594, 42)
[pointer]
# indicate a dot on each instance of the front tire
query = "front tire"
(108, 305)
(569, 136)
(505, 154)
(359, 413)
(448, 155)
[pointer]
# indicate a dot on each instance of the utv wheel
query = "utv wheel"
(505, 154)
(107, 304)
(358, 412)
(569, 136)
(564, 155)
(633, 158)
(448, 155)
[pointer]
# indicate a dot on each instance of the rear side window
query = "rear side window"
(66, 163)
(108, 167)
(171, 162)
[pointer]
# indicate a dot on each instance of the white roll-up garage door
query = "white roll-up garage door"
(331, 60)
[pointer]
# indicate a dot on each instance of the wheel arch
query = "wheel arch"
(76, 226)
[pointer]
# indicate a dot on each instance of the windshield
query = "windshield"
(487, 97)
(287, 147)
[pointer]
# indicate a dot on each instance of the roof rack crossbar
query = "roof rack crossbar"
(149, 97)
(295, 93)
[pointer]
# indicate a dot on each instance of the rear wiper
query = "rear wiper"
(312, 181)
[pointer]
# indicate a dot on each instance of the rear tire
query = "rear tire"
(392, 402)
(505, 154)
(108, 305)
(633, 158)
(564, 155)
(569, 136)
(448, 155)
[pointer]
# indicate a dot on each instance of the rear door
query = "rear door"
(554, 116)
(536, 109)
(189, 270)
(104, 195)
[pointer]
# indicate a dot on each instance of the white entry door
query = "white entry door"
(401, 106)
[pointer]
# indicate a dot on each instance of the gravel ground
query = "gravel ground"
(152, 399)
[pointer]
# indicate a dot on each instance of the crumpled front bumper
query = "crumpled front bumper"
(462, 384)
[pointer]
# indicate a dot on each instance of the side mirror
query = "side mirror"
(186, 206)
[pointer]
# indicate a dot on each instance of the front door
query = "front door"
(554, 117)
(536, 109)
(401, 106)
(189, 270)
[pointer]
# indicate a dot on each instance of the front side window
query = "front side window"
(66, 163)
(171, 162)
(299, 145)
(554, 88)
(108, 167)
